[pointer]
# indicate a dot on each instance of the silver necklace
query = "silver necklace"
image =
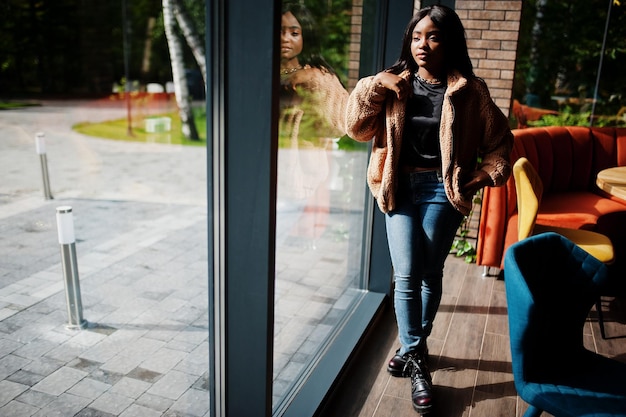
(290, 70)
(434, 81)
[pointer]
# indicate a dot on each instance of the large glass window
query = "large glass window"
(217, 280)
(321, 193)
(81, 129)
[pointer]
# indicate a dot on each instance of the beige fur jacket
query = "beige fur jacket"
(313, 105)
(472, 127)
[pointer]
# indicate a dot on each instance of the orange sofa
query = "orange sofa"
(567, 160)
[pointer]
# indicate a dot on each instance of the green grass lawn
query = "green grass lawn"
(6, 105)
(118, 129)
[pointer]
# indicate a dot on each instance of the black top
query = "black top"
(420, 141)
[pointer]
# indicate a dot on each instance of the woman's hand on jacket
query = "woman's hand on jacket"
(475, 181)
(393, 82)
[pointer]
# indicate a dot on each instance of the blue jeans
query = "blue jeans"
(420, 232)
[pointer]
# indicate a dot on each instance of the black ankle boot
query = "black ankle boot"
(421, 383)
(397, 366)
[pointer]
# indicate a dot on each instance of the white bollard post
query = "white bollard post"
(40, 146)
(65, 226)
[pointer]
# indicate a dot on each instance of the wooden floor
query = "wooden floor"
(469, 355)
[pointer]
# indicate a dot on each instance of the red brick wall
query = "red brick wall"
(354, 49)
(492, 29)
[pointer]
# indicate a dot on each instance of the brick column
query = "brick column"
(354, 50)
(492, 29)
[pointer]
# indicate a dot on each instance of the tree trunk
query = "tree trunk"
(181, 90)
(147, 50)
(185, 23)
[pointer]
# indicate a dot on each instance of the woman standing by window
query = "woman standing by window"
(438, 138)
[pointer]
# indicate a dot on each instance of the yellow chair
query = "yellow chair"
(529, 190)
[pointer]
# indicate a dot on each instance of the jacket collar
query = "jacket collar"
(456, 82)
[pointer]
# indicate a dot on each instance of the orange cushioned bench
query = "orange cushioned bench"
(568, 160)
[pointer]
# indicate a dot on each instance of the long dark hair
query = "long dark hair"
(453, 41)
(311, 46)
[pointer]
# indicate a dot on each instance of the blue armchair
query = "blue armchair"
(551, 285)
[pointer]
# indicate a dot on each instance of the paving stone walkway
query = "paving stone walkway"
(139, 214)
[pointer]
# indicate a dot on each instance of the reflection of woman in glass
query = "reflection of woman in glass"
(312, 104)
(438, 138)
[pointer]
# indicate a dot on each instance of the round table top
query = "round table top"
(613, 181)
(615, 175)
